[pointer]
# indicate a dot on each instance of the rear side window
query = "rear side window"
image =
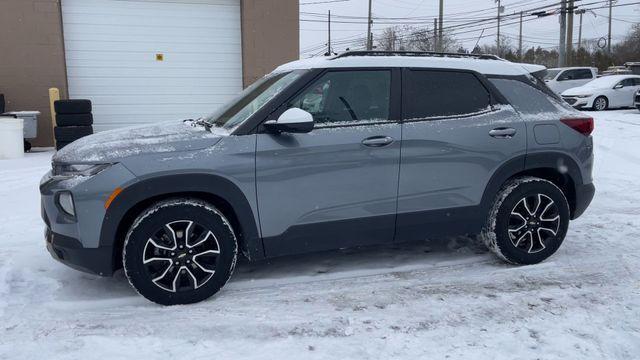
(524, 98)
(430, 94)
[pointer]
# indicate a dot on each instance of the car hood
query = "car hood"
(109, 146)
(580, 90)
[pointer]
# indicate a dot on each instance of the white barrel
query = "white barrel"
(11, 138)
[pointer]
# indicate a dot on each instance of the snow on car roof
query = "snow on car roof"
(609, 80)
(483, 66)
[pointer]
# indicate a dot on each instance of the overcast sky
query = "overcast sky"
(544, 32)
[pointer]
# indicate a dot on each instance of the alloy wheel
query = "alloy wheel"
(181, 256)
(600, 104)
(533, 223)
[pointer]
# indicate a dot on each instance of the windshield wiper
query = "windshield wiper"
(199, 122)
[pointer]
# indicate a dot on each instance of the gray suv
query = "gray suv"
(358, 149)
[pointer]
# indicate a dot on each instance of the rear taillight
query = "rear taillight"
(583, 125)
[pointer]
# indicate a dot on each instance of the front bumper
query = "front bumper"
(75, 239)
(70, 252)
(578, 102)
(584, 195)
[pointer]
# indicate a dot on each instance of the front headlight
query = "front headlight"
(583, 96)
(70, 170)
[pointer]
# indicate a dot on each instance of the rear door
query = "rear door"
(454, 139)
(337, 185)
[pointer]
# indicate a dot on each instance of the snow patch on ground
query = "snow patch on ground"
(438, 299)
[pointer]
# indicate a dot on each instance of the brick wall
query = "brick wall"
(32, 58)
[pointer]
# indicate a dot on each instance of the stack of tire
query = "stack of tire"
(73, 121)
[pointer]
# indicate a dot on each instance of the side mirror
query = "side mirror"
(293, 120)
(618, 86)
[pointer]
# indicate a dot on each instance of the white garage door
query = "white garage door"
(147, 61)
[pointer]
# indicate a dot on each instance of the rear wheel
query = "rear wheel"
(528, 221)
(179, 251)
(600, 103)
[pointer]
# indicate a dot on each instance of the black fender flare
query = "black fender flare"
(545, 160)
(165, 186)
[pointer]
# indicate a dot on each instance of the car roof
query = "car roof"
(621, 76)
(573, 67)
(484, 64)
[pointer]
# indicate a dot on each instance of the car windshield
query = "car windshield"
(551, 74)
(251, 99)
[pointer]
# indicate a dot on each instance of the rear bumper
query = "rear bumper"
(70, 252)
(584, 195)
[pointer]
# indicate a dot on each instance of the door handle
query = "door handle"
(377, 141)
(502, 133)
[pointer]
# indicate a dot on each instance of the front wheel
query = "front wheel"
(600, 103)
(179, 251)
(528, 221)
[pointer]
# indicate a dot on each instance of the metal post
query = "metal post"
(520, 39)
(435, 34)
(580, 29)
(563, 33)
(369, 36)
(441, 16)
(570, 32)
(609, 36)
(498, 35)
(329, 52)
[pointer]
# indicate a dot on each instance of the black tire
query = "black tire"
(27, 146)
(178, 276)
(63, 120)
(540, 237)
(596, 103)
(72, 133)
(76, 106)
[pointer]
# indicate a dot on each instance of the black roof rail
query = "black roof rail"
(415, 53)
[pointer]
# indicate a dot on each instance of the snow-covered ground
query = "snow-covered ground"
(446, 299)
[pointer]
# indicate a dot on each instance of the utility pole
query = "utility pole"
(435, 34)
(369, 35)
(580, 12)
(609, 36)
(498, 36)
(520, 39)
(441, 16)
(329, 52)
(570, 32)
(563, 33)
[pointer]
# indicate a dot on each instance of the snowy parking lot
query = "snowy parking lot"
(439, 299)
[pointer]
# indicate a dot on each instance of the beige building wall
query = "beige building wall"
(32, 58)
(32, 50)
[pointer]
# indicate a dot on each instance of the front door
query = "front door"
(337, 185)
(623, 96)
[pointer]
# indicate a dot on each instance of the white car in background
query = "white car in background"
(614, 91)
(561, 79)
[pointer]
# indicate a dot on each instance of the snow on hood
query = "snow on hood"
(158, 138)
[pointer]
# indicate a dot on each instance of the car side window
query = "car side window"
(347, 97)
(582, 74)
(566, 75)
(627, 82)
(429, 94)
(524, 98)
